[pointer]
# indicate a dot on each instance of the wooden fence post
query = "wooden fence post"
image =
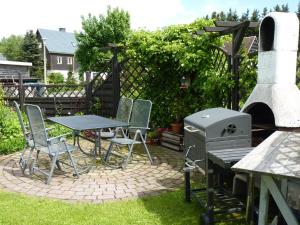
(115, 80)
(21, 91)
(88, 92)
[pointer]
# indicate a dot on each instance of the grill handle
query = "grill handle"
(191, 129)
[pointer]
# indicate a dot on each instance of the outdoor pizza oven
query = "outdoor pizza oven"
(215, 129)
(275, 98)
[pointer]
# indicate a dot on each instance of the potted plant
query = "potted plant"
(152, 137)
(178, 113)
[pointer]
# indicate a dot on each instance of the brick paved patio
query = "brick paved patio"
(102, 183)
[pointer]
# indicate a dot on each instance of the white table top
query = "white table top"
(278, 155)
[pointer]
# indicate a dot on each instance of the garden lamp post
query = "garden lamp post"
(45, 60)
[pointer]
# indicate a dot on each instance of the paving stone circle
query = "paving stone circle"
(101, 183)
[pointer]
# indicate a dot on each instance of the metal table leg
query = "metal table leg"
(209, 217)
(187, 179)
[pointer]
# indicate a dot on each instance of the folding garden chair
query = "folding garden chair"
(28, 139)
(137, 131)
(54, 147)
(123, 114)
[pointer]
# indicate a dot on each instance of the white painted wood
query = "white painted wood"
(278, 155)
(280, 201)
(263, 204)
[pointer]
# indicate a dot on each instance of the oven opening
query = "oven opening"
(263, 122)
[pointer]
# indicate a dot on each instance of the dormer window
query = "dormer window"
(59, 59)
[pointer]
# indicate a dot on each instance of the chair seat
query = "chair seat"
(124, 141)
(54, 147)
(107, 134)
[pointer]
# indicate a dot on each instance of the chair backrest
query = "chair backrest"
(140, 116)
(124, 109)
(36, 124)
(25, 132)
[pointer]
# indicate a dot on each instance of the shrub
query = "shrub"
(55, 78)
(10, 131)
(71, 79)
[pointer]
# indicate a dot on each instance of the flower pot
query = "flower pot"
(176, 127)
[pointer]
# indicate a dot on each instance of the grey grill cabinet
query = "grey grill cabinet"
(215, 129)
(213, 139)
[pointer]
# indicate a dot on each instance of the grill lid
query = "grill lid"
(210, 117)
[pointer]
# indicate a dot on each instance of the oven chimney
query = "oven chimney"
(276, 89)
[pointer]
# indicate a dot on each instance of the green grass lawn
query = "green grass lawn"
(168, 208)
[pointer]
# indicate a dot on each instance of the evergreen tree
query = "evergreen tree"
(31, 53)
(282, 8)
(265, 12)
(235, 16)
(214, 15)
(229, 16)
(255, 16)
(298, 11)
(277, 8)
(245, 16)
(222, 16)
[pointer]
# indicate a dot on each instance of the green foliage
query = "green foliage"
(170, 54)
(10, 131)
(1, 96)
(97, 33)
(31, 53)
(248, 76)
(11, 48)
(56, 130)
(56, 78)
(71, 79)
(96, 106)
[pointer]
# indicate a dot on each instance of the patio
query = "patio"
(102, 183)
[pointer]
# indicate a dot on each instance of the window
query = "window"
(59, 60)
(70, 60)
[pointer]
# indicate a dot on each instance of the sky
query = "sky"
(19, 16)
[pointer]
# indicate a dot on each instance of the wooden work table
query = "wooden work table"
(276, 159)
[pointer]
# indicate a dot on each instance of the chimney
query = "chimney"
(62, 29)
(276, 93)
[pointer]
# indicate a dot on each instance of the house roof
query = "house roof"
(59, 41)
(15, 63)
(250, 44)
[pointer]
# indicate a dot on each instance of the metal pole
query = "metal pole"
(45, 60)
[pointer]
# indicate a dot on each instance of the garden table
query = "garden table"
(88, 122)
(277, 160)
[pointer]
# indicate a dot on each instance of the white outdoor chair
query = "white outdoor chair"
(54, 147)
(137, 131)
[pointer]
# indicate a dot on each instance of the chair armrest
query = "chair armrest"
(141, 128)
(54, 140)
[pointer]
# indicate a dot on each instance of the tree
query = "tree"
(255, 16)
(282, 8)
(31, 53)
(235, 16)
(265, 12)
(11, 47)
(245, 16)
(229, 16)
(114, 27)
